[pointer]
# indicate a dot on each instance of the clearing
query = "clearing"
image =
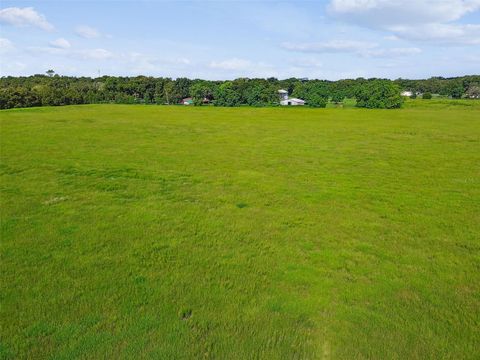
(240, 233)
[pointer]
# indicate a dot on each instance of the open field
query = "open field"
(241, 233)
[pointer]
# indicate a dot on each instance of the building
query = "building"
(406, 93)
(286, 101)
(187, 101)
(292, 102)
(283, 94)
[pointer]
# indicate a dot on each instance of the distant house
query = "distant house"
(406, 93)
(286, 101)
(292, 102)
(187, 101)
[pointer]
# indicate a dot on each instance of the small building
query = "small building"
(283, 94)
(187, 101)
(286, 101)
(292, 102)
(406, 93)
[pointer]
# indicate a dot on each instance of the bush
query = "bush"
(427, 96)
(413, 96)
(379, 94)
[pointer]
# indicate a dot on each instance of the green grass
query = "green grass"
(187, 233)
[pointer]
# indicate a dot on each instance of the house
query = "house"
(292, 102)
(187, 101)
(286, 101)
(406, 93)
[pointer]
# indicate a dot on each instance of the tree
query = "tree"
(225, 95)
(318, 101)
(315, 93)
(338, 96)
(201, 91)
(52, 89)
(379, 94)
(427, 96)
(473, 91)
(170, 94)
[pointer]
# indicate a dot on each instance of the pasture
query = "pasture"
(175, 232)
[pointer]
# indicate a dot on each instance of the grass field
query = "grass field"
(188, 233)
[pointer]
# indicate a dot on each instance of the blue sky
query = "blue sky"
(325, 39)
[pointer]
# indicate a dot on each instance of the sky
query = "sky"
(217, 40)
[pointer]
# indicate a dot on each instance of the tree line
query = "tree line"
(55, 90)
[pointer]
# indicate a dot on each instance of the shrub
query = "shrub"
(427, 96)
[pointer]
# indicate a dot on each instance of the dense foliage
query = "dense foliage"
(55, 90)
(379, 94)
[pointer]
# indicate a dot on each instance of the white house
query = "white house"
(285, 100)
(293, 102)
(406, 93)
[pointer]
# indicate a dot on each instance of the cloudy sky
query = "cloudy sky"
(326, 39)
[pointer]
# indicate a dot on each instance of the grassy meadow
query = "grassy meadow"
(174, 232)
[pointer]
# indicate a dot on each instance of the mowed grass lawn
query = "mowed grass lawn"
(243, 233)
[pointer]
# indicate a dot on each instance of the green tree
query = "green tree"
(379, 94)
(338, 96)
(225, 95)
(318, 101)
(200, 92)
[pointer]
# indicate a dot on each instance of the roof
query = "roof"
(296, 100)
(282, 91)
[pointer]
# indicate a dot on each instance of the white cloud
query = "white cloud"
(82, 54)
(236, 67)
(386, 12)
(423, 20)
(12, 68)
(93, 54)
(6, 46)
(140, 63)
(333, 46)
(60, 43)
(360, 48)
(449, 34)
(475, 58)
(391, 38)
(27, 16)
(306, 63)
(393, 52)
(231, 64)
(87, 32)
